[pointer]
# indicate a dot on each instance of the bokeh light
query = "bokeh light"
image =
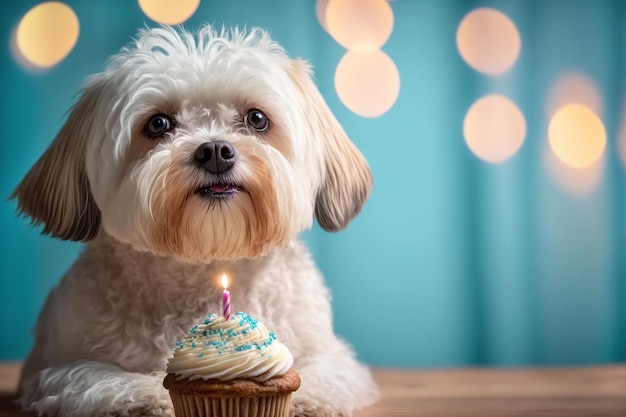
(169, 12)
(363, 25)
(488, 41)
(46, 34)
(576, 181)
(576, 135)
(367, 83)
(320, 12)
(574, 87)
(494, 128)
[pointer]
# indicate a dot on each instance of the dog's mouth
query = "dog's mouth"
(218, 190)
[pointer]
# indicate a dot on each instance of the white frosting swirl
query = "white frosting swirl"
(228, 349)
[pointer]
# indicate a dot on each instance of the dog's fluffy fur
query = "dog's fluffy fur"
(158, 241)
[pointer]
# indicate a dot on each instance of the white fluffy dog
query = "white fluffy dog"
(189, 156)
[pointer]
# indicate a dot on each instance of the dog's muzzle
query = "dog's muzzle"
(216, 157)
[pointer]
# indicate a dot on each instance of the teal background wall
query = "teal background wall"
(454, 261)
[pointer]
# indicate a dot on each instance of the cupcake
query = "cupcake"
(231, 368)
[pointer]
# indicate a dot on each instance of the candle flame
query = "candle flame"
(224, 281)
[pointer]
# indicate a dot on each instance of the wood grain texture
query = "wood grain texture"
(550, 392)
(584, 392)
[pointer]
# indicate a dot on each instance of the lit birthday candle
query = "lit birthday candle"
(225, 297)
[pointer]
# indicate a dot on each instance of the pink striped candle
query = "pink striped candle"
(225, 298)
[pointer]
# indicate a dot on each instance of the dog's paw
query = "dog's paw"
(154, 407)
(303, 407)
(145, 398)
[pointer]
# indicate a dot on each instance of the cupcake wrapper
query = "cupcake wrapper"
(195, 406)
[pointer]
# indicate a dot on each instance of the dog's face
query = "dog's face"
(216, 146)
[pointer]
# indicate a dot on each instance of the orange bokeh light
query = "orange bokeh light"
(169, 12)
(46, 34)
(576, 135)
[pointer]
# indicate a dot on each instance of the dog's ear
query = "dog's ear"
(56, 191)
(347, 180)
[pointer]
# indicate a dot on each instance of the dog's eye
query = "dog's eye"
(257, 121)
(158, 125)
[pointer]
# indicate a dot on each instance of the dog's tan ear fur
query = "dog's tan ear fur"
(56, 192)
(347, 180)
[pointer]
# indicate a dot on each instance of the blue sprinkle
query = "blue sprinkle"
(271, 338)
(201, 354)
(246, 319)
(193, 344)
(241, 348)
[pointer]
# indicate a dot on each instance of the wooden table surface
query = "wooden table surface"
(571, 392)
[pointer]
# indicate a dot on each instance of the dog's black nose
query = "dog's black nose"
(216, 157)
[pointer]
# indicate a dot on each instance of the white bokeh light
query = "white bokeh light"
(363, 25)
(367, 83)
(574, 87)
(494, 128)
(488, 41)
(320, 12)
